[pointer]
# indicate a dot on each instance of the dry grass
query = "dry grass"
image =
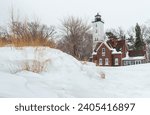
(102, 75)
(33, 42)
(37, 65)
(84, 61)
(3, 42)
(25, 42)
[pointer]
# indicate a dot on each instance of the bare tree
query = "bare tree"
(145, 31)
(75, 36)
(3, 33)
(131, 37)
(31, 33)
(131, 31)
(118, 33)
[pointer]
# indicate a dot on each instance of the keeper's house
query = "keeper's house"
(113, 52)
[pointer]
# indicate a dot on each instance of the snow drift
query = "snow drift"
(64, 76)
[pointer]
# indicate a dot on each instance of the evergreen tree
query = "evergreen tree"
(138, 45)
(111, 35)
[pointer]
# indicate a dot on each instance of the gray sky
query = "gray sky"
(115, 13)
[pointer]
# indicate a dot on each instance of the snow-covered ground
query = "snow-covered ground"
(64, 76)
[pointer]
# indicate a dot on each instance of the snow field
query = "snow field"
(64, 76)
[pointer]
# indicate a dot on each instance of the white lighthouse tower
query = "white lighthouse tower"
(98, 30)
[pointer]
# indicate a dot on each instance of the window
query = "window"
(96, 39)
(116, 61)
(103, 51)
(129, 62)
(100, 61)
(133, 62)
(124, 63)
(106, 61)
(138, 62)
(96, 31)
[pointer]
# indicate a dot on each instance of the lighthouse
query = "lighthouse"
(98, 30)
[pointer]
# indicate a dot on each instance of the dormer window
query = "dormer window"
(103, 51)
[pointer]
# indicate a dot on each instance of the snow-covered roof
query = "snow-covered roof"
(115, 52)
(129, 43)
(134, 58)
(105, 45)
(94, 53)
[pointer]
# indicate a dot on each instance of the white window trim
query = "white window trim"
(100, 61)
(106, 61)
(103, 51)
(129, 62)
(125, 63)
(116, 61)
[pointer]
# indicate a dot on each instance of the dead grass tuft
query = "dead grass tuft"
(37, 65)
(102, 75)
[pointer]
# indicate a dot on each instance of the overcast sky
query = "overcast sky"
(115, 13)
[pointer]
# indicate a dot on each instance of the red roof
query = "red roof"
(115, 43)
(134, 53)
(118, 44)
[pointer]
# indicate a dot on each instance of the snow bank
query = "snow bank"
(64, 76)
(67, 77)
